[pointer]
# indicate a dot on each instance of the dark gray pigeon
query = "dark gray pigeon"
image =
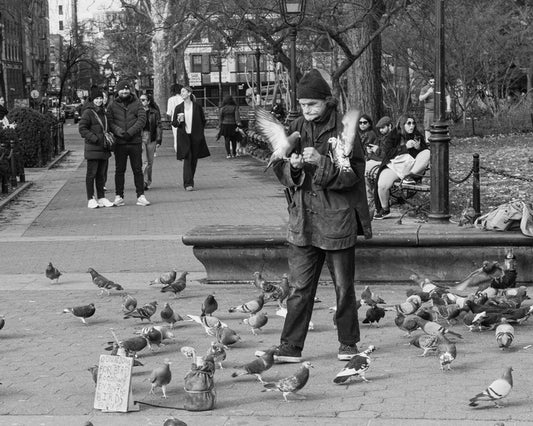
(258, 366)
(52, 272)
(82, 312)
(291, 384)
(103, 283)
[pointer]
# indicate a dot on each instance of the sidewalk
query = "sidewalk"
(45, 353)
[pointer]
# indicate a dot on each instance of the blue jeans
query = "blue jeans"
(305, 264)
(149, 148)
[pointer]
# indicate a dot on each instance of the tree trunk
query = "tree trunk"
(364, 76)
(161, 53)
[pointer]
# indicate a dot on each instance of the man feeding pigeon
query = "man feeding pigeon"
(327, 210)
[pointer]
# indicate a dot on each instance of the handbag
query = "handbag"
(401, 164)
(506, 217)
(109, 138)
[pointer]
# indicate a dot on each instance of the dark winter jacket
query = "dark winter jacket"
(329, 206)
(91, 130)
(126, 120)
(153, 125)
(194, 142)
(229, 114)
(394, 145)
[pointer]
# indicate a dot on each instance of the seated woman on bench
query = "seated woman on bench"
(405, 156)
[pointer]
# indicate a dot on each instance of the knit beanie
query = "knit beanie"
(383, 121)
(122, 84)
(313, 86)
(96, 92)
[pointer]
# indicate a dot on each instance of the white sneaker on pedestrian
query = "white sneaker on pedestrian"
(119, 201)
(104, 202)
(92, 204)
(142, 201)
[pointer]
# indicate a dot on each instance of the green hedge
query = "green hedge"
(33, 131)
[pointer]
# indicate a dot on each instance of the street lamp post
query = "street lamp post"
(258, 70)
(219, 65)
(440, 137)
(293, 12)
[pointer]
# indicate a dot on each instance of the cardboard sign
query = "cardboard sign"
(113, 387)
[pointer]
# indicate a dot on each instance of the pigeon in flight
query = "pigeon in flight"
(291, 384)
(82, 312)
(274, 133)
(103, 283)
(498, 389)
(342, 146)
(52, 272)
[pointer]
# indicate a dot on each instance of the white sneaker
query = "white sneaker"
(119, 201)
(104, 202)
(92, 204)
(142, 201)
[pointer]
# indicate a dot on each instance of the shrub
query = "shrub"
(33, 131)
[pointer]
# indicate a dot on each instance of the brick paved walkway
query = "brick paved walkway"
(45, 353)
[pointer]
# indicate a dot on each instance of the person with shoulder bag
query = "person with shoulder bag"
(151, 136)
(92, 127)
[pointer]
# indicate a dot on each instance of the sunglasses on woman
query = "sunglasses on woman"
(363, 122)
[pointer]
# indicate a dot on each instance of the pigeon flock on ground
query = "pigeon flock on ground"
(431, 316)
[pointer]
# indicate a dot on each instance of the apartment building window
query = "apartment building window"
(245, 63)
(60, 9)
(61, 26)
(196, 63)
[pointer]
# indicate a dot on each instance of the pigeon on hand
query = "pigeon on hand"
(341, 147)
(82, 312)
(291, 384)
(497, 390)
(227, 336)
(218, 351)
(52, 272)
(274, 133)
(374, 314)
(504, 334)
(209, 305)
(143, 313)
(129, 303)
(103, 283)
(251, 307)
(177, 286)
(165, 278)
(256, 321)
(357, 366)
(426, 342)
(261, 284)
(160, 378)
(168, 315)
(280, 291)
(446, 351)
(258, 366)
(94, 373)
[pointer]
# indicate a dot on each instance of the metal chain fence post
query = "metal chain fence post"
(476, 186)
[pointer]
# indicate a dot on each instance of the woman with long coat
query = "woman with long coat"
(91, 128)
(189, 119)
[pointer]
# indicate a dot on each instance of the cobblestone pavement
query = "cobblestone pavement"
(45, 353)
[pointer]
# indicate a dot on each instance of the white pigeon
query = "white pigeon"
(274, 133)
(504, 334)
(497, 390)
(342, 146)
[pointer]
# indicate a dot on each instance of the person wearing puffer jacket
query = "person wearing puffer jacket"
(90, 128)
(127, 117)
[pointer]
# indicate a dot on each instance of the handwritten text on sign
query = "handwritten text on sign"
(113, 384)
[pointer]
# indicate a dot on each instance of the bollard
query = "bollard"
(476, 186)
